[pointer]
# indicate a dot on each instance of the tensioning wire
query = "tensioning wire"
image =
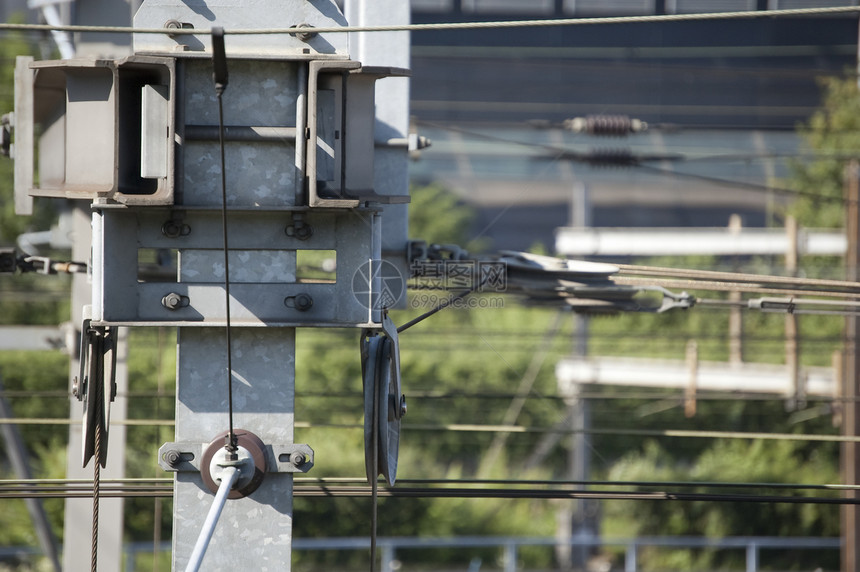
(546, 23)
(219, 63)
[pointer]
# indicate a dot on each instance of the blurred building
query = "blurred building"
(494, 101)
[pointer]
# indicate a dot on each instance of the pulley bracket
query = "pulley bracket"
(95, 386)
(384, 402)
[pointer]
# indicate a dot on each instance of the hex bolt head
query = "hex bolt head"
(297, 459)
(174, 229)
(173, 457)
(304, 302)
(172, 301)
(305, 36)
(301, 302)
(402, 405)
(300, 230)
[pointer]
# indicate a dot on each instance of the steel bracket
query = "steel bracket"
(185, 456)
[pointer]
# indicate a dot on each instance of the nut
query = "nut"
(172, 301)
(301, 302)
(173, 457)
(297, 459)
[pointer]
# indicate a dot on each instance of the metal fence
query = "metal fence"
(508, 546)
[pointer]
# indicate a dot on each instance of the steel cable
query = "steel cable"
(746, 15)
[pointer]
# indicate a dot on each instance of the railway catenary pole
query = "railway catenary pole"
(142, 145)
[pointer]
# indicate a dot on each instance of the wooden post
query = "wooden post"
(792, 349)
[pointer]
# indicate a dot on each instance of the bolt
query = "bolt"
(305, 36)
(174, 229)
(172, 301)
(76, 388)
(300, 230)
(402, 405)
(297, 460)
(304, 302)
(173, 457)
(301, 302)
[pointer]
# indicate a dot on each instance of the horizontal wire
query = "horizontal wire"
(342, 490)
(489, 428)
(835, 10)
(556, 153)
(115, 483)
(64, 421)
(418, 394)
(736, 276)
(720, 286)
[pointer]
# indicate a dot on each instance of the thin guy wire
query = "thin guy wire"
(231, 437)
(459, 25)
(438, 308)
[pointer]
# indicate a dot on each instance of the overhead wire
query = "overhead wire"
(556, 153)
(525, 490)
(473, 25)
(503, 493)
(489, 428)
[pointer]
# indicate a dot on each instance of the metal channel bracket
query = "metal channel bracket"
(185, 456)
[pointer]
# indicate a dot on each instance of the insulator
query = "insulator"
(611, 158)
(606, 125)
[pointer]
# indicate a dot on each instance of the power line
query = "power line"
(351, 491)
(740, 15)
(475, 428)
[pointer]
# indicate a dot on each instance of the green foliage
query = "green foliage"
(738, 461)
(35, 383)
(832, 130)
(437, 216)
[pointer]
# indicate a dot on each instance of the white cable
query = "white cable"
(229, 477)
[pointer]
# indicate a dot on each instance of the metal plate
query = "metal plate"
(98, 386)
